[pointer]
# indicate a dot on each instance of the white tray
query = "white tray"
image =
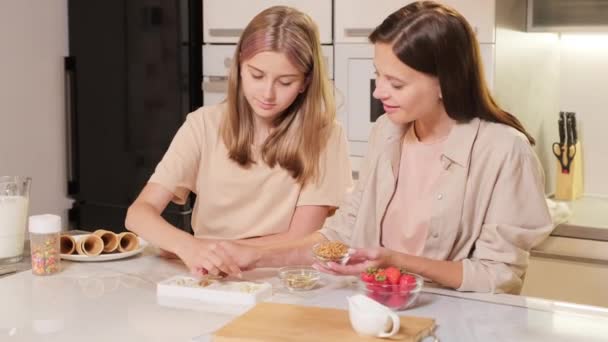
(103, 257)
(218, 291)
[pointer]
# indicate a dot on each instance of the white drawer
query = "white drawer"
(218, 58)
(215, 90)
(224, 20)
(356, 19)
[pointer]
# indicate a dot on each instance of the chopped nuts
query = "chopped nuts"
(331, 250)
(247, 287)
(300, 281)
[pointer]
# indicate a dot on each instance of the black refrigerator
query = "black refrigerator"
(132, 76)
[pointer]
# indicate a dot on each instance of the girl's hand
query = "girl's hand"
(166, 254)
(208, 256)
(245, 256)
(360, 260)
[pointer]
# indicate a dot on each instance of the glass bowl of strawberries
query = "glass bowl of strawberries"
(391, 286)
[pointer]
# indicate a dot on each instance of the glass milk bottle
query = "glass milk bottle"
(14, 203)
(44, 243)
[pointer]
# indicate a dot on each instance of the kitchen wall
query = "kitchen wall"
(526, 81)
(34, 40)
(584, 90)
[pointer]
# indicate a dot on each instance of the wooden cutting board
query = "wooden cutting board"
(286, 322)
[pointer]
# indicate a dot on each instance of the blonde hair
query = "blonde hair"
(301, 132)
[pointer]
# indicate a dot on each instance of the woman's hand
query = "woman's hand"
(360, 260)
(208, 256)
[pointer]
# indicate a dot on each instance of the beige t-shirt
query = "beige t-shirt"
(235, 202)
(408, 216)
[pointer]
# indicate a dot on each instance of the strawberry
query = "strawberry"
(380, 278)
(381, 285)
(406, 283)
(367, 277)
(392, 275)
(372, 270)
(396, 301)
(371, 286)
(375, 296)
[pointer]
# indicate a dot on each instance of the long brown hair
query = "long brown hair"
(301, 132)
(437, 40)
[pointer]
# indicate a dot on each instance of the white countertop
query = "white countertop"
(116, 301)
(589, 219)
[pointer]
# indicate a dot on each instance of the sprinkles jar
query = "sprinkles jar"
(44, 243)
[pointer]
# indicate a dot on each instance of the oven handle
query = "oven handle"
(357, 31)
(216, 84)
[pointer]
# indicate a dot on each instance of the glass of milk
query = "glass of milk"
(14, 203)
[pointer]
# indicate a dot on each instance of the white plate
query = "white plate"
(104, 257)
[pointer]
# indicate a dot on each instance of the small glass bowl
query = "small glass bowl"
(323, 260)
(395, 297)
(299, 278)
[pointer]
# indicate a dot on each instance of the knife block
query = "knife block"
(570, 185)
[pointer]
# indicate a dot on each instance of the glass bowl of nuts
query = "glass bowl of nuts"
(299, 278)
(331, 251)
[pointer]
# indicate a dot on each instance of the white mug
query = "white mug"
(371, 318)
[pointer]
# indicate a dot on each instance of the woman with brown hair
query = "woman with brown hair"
(268, 165)
(450, 188)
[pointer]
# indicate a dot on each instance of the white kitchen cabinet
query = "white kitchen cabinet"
(488, 58)
(354, 20)
(217, 60)
(225, 20)
(481, 14)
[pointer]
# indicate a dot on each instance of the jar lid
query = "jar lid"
(45, 224)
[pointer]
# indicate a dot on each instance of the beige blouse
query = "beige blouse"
(234, 202)
(489, 206)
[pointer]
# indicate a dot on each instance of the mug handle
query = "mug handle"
(396, 325)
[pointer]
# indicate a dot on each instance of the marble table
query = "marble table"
(116, 301)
